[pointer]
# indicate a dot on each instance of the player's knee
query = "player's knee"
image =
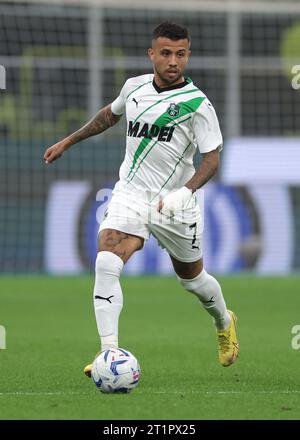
(196, 284)
(203, 285)
(188, 284)
(108, 264)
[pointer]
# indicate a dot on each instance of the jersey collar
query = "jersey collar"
(176, 86)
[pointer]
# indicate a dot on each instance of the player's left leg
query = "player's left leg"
(183, 241)
(194, 278)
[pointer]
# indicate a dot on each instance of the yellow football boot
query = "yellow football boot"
(88, 369)
(228, 344)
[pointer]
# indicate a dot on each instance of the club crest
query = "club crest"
(173, 110)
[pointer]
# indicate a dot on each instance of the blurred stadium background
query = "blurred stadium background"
(64, 59)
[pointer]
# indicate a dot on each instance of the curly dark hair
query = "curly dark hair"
(172, 31)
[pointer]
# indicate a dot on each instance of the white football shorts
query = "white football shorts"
(133, 213)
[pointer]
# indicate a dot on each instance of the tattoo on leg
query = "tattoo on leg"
(112, 240)
(121, 244)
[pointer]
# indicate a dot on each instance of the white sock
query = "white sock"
(108, 297)
(209, 292)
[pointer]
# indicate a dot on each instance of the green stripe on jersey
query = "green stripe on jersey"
(153, 145)
(138, 88)
(178, 162)
(164, 99)
(164, 119)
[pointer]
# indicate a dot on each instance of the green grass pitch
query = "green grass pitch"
(51, 334)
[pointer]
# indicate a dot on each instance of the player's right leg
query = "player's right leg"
(114, 249)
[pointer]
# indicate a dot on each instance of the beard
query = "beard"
(169, 80)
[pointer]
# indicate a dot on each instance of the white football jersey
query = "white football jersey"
(164, 128)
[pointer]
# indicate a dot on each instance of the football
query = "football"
(116, 371)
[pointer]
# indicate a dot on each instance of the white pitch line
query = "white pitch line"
(71, 393)
(32, 393)
(228, 392)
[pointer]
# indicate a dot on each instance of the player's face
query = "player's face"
(169, 59)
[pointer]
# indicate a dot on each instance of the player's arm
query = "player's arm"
(209, 140)
(178, 199)
(207, 169)
(104, 119)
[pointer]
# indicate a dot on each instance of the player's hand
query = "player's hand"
(175, 201)
(54, 152)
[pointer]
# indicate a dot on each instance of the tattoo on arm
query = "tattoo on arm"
(99, 123)
(207, 169)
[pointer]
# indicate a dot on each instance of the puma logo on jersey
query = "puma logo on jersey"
(149, 131)
(136, 102)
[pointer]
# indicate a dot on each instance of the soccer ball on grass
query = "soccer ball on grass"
(116, 371)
